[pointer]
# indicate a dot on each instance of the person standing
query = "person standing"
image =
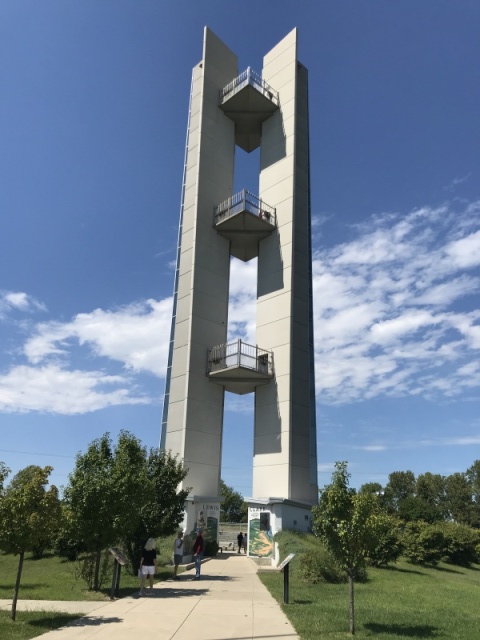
(148, 565)
(245, 543)
(177, 553)
(198, 553)
(240, 541)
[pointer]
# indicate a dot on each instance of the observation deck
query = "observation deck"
(248, 101)
(240, 367)
(244, 219)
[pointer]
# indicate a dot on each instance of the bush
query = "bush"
(313, 561)
(38, 551)
(165, 551)
(390, 547)
(85, 569)
(318, 565)
(67, 547)
(423, 543)
(460, 544)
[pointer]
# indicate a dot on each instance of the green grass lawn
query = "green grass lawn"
(401, 601)
(52, 578)
(31, 624)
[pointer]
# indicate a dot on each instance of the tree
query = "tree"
(351, 525)
(4, 471)
(234, 507)
(29, 514)
(92, 499)
(372, 487)
(473, 477)
(122, 494)
(401, 485)
(161, 508)
(458, 498)
(430, 488)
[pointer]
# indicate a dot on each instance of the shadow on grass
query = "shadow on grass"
(47, 554)
(401, 570)
(408, 631)
(447, 570)
(50, 622)
(295, 601)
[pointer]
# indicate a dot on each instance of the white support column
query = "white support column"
(194, 424)
(285, 447)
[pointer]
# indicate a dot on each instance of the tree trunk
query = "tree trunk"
(13, 614)
(134, 550)
(98, 557)
(352, 603)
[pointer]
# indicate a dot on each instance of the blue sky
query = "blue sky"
(93, 113)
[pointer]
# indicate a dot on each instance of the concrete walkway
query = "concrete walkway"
(228, 602)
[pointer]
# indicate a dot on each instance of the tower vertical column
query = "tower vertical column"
(285, 435)
(193, 408)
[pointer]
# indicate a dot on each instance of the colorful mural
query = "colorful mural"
(260, 538)
(207, 520)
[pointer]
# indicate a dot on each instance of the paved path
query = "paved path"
(228, 602)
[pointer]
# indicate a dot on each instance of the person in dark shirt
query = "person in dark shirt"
(198, 553)
(148, 565)
(240, 541)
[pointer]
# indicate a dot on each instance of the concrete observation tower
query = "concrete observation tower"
(248, 110)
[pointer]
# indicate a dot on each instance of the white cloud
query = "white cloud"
(18, 301)
(136, 335)
(465, 252)
(458, 441)
(386, 314)
(405, 323)
(52, 389)
(241, 309)
(373, 447)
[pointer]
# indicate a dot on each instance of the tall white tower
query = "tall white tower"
(270, 110)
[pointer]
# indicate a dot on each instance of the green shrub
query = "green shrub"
(423, 543)
(38, 550)
(67, 546)
(390, 546)
(85, 569)
(313, 562)
(318, 565)
(460, 544)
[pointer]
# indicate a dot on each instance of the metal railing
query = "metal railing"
(244, 201)
(240, 354)
(248, 77)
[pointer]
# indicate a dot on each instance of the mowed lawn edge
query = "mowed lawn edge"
(30, 624)
(396, 602)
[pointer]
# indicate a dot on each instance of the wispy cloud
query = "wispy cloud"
(52, 389)
(456, 182)
(395, 308)
(11, 301)
(458, 441)
(136, 335)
